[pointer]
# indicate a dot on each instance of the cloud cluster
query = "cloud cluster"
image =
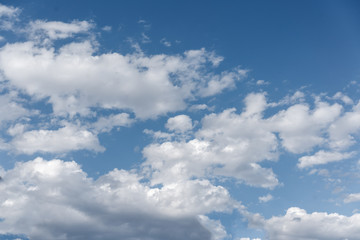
(75, 79)
(297, 224)
(233, 144)
(56, 200)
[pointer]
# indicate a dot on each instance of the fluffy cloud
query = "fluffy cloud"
(228, 144)
(11, 109)
(353, 197)
(180, 123)
(297, 224)
(232, 145)
(322, 157)
(8, 15)
(62, 140)
(106, 124)
(75, 78)
(301, 129)
(342, 130)
(57, 30)
(56, 200)
(266, 198)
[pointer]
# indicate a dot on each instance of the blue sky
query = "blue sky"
(179, 120)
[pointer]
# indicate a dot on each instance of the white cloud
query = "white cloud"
(262, 82)
(353, 197)
(301, 129)
(198, 107)
(322, 157)
(106, 124)
(11, 108)
(165, 42)
(180, 123)
(8, 11)
(56, 200)
(107, 28)
(342, 130)
(228, 144)
(57, 30)
(74, 78)
(62, 140)
(8, 16)
(346, 99)
(297, 224)
(266, 198)
(158, 135)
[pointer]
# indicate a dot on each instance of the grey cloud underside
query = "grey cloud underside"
(55, 200)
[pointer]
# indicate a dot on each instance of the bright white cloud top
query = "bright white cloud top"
(135, 144)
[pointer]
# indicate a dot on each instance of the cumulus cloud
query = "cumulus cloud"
(62, 140)
(342, 130)
(346, 99)
(106, 124)
(353, 197)
(322, 157)
(57, 30)
(56, 200)
(180, 123)
(74, 78)
(8, 15)
(228, 144)
(297, 224)
(266, 198)
(11, 108)
(301, 128)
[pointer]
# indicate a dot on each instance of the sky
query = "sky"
(157, 120)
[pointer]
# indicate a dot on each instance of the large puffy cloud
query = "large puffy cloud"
(301, 128)
(233, 144)
(228, 144)
(75, 78)
(297, 224)
(56, 200)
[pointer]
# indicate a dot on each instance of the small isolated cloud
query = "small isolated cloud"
(106, 124)
(198, 107)
(57, 30)
(323, 157)
(106, 28)
(353, 197)
(266, 198)
(165, 42)
(180, 123)
(145, 38)
(262, 82)
(62, 140)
